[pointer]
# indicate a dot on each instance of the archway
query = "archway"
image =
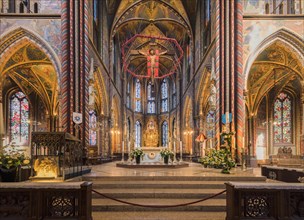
(188, 126)
(115, 126)
(28, 67)
(273, 84)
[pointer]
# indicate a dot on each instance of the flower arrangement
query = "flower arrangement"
(137, 152)
(10, 157)
(219, 159)
(166, 152)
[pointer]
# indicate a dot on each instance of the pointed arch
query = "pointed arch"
(102, 95)
(188, 112)
(204, 94)
(15, 38)
(284, 35)
(43, 70)
(124, 9)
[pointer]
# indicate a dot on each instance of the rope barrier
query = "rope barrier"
(158, 206)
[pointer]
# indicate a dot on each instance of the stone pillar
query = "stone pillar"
(2, 132)
(302, 124)
(252, 144)
(75, 67)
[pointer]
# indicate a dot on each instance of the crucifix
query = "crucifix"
(152, 62)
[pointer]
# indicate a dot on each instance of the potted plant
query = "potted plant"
(137, 153)
(166, 153)
(219, 159)
(10, 160)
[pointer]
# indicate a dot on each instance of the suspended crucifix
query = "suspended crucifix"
(153, 55)
(152, 62)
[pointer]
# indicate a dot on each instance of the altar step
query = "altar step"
(161, 190)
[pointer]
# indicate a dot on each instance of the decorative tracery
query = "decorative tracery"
(282, 125)
(137, 134)
(174, 97)
(128, 95)
(19, 118)
(210, 124)
(164, 96)
(165, 133)
(92, 126)
(137, 96)
(150, 99)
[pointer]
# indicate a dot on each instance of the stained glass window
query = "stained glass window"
(19, 118)
(210, 123)
(165, 133)
(164, 96)
(137, 134)
(128, 95)
(174, 98)
(137, 96)
(150, 99)
(282, 127)
(92, 126)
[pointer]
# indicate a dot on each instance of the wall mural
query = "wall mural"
(50, 7)
(255, 31)
(48, 29)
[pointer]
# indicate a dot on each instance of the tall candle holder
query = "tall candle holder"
(181, 151)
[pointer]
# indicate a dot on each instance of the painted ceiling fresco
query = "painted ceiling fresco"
(32, 71)
(165, 19)
(276, 67)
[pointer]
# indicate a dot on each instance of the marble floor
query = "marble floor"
(163, 185)
(194, 169)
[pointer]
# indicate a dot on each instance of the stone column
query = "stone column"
(302, 124)
(2, 132)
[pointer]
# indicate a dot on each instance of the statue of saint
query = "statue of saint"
(152, 62)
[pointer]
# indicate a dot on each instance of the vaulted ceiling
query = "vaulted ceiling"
(277, 67)
(31, 70)
(156, 18)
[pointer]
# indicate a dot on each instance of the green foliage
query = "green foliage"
(10, 157)
(226, 138)
(219, 159)
(137, 152)
(166, 152)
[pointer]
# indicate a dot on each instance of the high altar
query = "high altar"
(151, 142)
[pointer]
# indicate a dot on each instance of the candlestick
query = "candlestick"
(129, 151)
(174, 150)
(123, 152)
(181, 151)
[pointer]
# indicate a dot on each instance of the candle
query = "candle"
(180, 146)
(123, 151)
(181, 151)
(174, 147)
